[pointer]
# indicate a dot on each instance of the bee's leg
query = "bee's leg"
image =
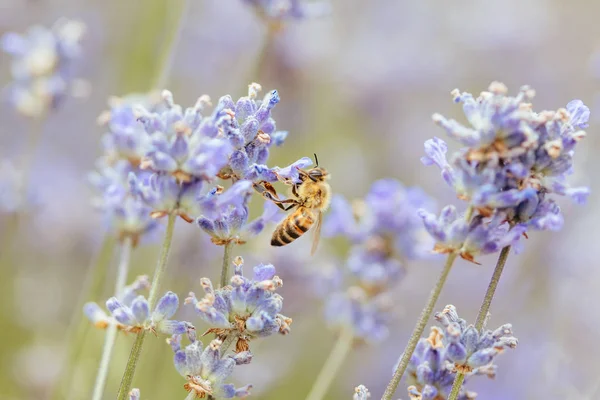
(266, 190)
(295, 190)
(262, 187)
(290, 207)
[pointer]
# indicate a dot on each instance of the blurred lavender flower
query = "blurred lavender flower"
(276, 12)
(206, 370)
(134, 394)
(384, 229)
(125, 143)
(132, 312)
(361, 393)
(513, 160)
(128, 215)
(388, 213)
(126, 138)
(246, 309)
(437, 358)
(43, 66)
(362, 313)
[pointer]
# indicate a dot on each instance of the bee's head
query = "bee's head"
(318, 174)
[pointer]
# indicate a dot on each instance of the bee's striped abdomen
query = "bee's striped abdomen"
(294, 226)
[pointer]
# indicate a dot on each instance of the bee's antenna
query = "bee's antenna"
(316, 159)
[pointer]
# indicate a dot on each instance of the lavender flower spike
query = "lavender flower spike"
(248, 308)
(132, 313)
(469, 349)
(43, 66)
(514, 157)
(206, 370)
(184, 142)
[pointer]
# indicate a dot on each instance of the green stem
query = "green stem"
(227, 342)
(159, 274)
(423, 318)
(177, 11)
(419, 328)
(483, 313)
(79, 327)
(227, 257)
(111, 334)
(332, 365)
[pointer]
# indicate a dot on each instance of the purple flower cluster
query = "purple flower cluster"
(131, 312)
(459, 347)
(244, 310)
(43, 63)
(384, 230)
(124, 145)
(513, 159)
(162, 159)
(205, 370)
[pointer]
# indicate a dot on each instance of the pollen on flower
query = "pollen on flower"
(201, 387)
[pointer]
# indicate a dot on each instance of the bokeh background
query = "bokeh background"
(358, 88)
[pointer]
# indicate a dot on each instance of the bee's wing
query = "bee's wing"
(317, 233)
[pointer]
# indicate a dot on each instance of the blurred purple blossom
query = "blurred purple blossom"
(364, 314)
(43, 66)
(388, 212)
(127, 215)
(384, 230)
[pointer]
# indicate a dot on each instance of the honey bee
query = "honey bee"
(310, 199)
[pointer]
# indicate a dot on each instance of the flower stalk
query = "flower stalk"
(111, 334)
(159, 274)
(483, 312)
(419, 328)
(332, 365)
(227, 260)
